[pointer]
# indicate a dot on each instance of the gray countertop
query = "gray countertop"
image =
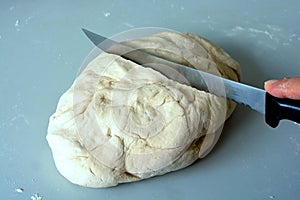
(42, 48)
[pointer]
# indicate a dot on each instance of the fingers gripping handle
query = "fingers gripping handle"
(281, 108)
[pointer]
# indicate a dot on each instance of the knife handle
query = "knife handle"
(281, 108)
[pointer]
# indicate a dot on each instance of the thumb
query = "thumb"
(284, 88)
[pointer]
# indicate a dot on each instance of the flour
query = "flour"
(128, 24)
(36, 196)
(275, 34)
(106, 14)
(19, 190)
(17, 25)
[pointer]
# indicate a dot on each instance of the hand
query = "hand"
(284, 88)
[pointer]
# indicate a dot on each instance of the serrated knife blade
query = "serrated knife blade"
(250, 96)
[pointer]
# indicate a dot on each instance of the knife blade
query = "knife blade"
(257, 99)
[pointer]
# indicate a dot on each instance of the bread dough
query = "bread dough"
(121, 122)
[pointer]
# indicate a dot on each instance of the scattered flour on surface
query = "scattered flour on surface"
(128, 25)
(17, 116)
(236, 29)
(254, 30)
(106, 14)
(274, 33)
(28, 19)
(19, 190)
(296, 143)
(36, 196)
(17, 25)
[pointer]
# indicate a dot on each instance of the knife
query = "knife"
(274, 109)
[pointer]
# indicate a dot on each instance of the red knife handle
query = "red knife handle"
(281, 108)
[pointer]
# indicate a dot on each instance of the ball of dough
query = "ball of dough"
(121, 122)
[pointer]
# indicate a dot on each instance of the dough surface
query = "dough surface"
(121, 122)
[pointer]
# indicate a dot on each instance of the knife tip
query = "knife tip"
(95, 38)
(84, 30)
